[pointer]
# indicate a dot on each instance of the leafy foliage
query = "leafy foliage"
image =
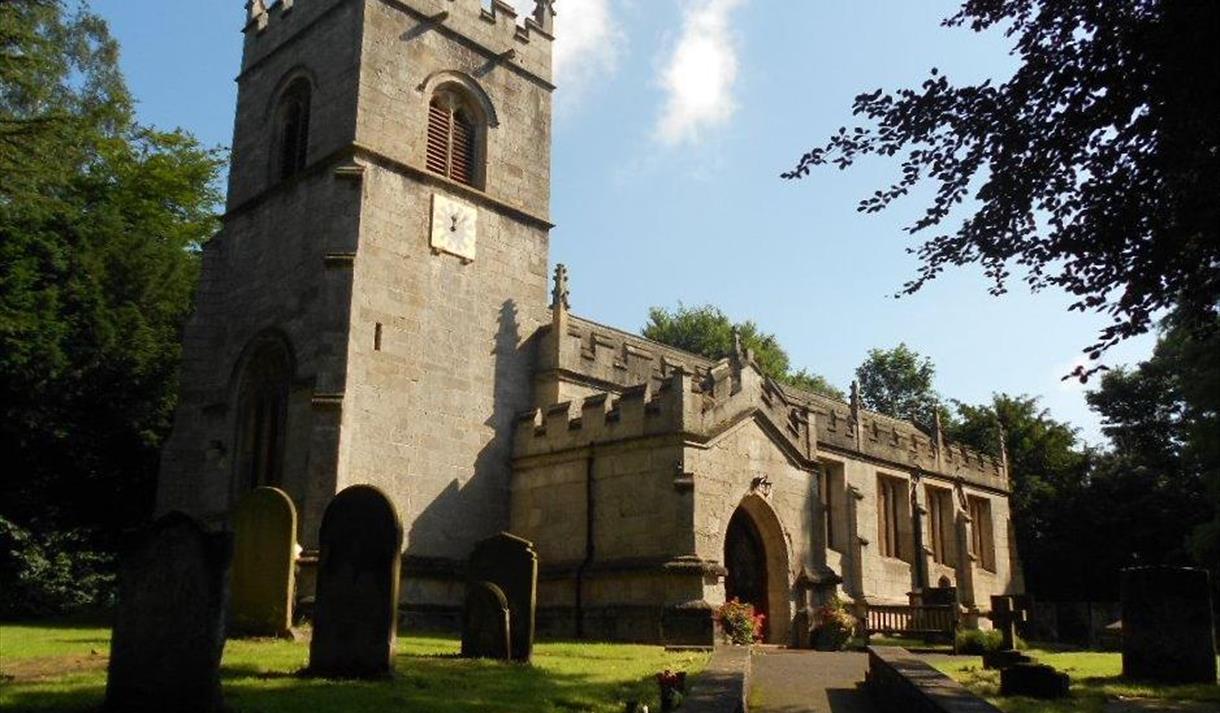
(51, 573)
(835, 626)
(1093, 169)
(1143, 500)
(1163, 418)
(976, 642)
(739, 623)
(898, 382)
(708, 332)
(100, 224)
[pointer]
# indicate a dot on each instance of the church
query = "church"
(379, 308)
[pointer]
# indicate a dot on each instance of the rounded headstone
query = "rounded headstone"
(511, 563)
(356, 608)
(1167, 626)
(486, 628)
(265, 527)
(169, 625)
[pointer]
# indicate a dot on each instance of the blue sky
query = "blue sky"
(674, 119)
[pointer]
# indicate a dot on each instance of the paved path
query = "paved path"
(787, 681)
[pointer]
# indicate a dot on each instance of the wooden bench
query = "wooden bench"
(904, 621)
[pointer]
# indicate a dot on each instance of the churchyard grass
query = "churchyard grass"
(61, 667)
(1096, 678)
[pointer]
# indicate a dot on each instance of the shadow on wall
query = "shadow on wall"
(463, 514)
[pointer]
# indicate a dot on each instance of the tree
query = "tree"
(100, 224)
(1163, 419)
(708, 332)
(898, 383)
(1094, 168)
(1049, 474)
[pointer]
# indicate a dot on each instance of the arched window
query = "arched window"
(454, 134)
(263, 415)
(292, 129)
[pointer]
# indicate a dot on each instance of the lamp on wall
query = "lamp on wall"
(762, 485)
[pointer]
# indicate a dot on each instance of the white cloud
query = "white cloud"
(587, 43)
(700, 74)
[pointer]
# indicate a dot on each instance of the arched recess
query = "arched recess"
(288, 116)
(263, 386)
(755, 524)
(481, 101)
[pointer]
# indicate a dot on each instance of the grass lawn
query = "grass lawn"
(1096, 678)
(61, 667)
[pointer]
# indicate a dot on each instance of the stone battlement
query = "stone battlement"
(698, 409)
(598, 358)
(496, 30)
(897, 441)
(605, 417)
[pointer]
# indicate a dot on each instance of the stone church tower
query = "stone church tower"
(365, 313)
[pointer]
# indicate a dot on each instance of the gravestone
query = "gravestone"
(356, 608)
(169, 625)
(1034, 680)
(263, 564)
(511, 564)
(486, 625)
(1006, 612)
(1167, 625)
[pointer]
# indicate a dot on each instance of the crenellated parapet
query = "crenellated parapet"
(899, 442)
(607, 418)
(502, 35)
(576, 350)
(696, 409)
(607, 366)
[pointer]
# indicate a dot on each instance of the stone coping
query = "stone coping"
(899, 681)
(724, 684)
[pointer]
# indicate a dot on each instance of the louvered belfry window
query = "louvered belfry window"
(452, 140)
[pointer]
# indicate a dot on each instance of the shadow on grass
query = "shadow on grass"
(431, 682)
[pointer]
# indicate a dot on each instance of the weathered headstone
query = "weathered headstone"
(263, 564)
(1034, 680)
(356, 609)
(486, 627)
(1167, 625)
(169, 627)
(511, 564)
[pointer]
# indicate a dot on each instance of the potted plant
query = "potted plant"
(835, 626)
(739, 623)
(673, 688)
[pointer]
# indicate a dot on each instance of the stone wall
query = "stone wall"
(429, 416)
(267, 274)
(598, 487)
(726, 472)
(319, 40)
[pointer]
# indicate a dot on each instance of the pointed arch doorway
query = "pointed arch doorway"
(756, 564)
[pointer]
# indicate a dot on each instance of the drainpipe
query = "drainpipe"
(590, 516)
(920, 563)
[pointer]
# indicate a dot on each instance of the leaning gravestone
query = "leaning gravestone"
(511, 564)
(263, 564)
(486, 628)
(169, 625)
(356, 608)
(1167, 625)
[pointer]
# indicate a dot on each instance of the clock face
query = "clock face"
(454, 227)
